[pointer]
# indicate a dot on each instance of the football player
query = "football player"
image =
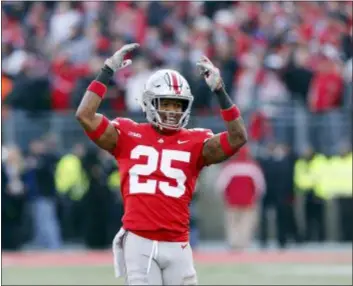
(159, 164)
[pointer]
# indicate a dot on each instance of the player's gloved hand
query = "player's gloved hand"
(117, 61)
(211, 73)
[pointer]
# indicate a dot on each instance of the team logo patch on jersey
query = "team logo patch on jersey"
(134, 134)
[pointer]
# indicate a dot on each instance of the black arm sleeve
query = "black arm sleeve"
(224, 99)
(105, 75)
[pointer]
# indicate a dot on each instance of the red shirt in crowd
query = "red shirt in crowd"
(65, 76)
(326, 91)
(241, 180)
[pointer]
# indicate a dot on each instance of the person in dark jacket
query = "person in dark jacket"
(278, 166)
(13, 198)
(96, 202)
(41, 164)
(29, 100)
(296, 73)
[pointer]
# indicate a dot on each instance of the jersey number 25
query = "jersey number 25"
(150, 186)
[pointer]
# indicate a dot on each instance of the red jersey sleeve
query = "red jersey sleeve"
(123, 126)
(201, 136)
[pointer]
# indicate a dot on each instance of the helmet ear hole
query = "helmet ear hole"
(185, 104)
(155, 103)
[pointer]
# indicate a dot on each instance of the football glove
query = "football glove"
(211, 73)
(117, 61)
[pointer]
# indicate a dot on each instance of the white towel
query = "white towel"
(119, 264)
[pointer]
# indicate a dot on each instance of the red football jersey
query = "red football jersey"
(158, 176)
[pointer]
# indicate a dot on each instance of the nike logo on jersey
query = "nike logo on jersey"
(184, 245)
(182, 142)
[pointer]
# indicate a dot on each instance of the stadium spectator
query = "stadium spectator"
(13, 192)
(242, 184)
(325, 96)
(273, 57)
(278, 165)
(96, 202)
(297, 74)
(42, 195)
(304, 179)
(80, 31)
(347, 74)
(64, 17)
(135, 84)
(194, 223)
(71, 183)
(342, 169)
(116, 209)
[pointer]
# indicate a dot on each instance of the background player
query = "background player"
(159, 163)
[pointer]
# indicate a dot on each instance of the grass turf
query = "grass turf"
(208, 273)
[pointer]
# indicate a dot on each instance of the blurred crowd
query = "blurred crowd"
(50, 199)
(298, 199)
(268, 52)
(288, 65)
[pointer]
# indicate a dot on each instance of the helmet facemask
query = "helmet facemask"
(170, 120)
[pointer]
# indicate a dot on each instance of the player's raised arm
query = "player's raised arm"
(97, 127)
(221, 146)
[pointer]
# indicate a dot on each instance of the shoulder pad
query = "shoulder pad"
(202, 130)
(123, 119)
(123, 123)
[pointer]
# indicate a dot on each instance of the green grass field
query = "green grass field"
(226, 269)
(225, 274)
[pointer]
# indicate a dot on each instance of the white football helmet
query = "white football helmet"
(167, 83)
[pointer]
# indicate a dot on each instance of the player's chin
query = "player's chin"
(170, 126)
(171, 121)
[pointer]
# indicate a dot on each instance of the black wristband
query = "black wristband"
(224, 100)
(105, 75)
